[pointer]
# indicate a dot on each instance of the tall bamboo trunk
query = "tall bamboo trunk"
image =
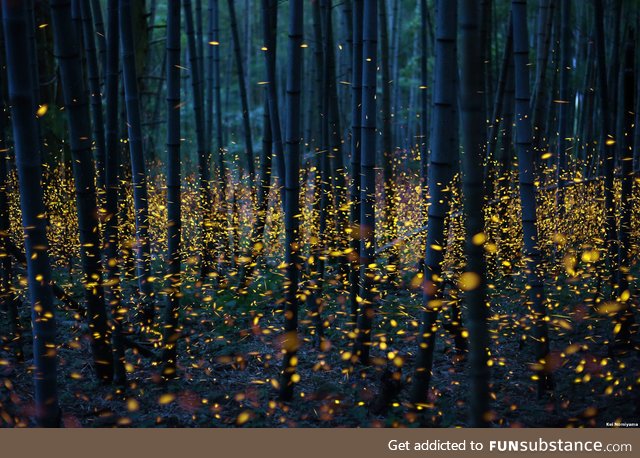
(444, 153)
(174, 220)
(424, 97)
(506, 156)
(544, 22)
(198, 19)
(322, 189)
(33, 54)
(396, 33)
(337, 173)
(77, 109)
(257, 242)
(221, 176)
(101, 37)
(625, 319)
(585, 124)
(473, 281)
(498, 106)
(345, 68)
(292, 186)
(272, 92)
(113, 293)
(208, 67)
(318, 58)
(566, 99)
(138, 169)
(243, 91)
(526, 169)
(636, 137)
(8, 298)
(314, 268)
(95, 92)
(257, 238)
(26, 145)
(544, 131)
(614, 64)
(204, 158)
(368, 181)
(485, 11)
(208, 81)
(387, 146)
(356, 120)
(607, 144)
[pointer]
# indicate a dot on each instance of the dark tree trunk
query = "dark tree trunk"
(322, 188)
(545, 132)
(472, 111)
(33, 54)
(208, 82)
(485, 11)
(566, 101)
(269, 19)
(174, 220)
(544, 27)
(112, 186)
(615, 6)
(216, 110)
(345, 63)
(200, 47)
(8, 297)
(356, 131)
(94, 91)
(636, 137)
(625, 320)
(318, 58)
(272, 93)
(526, 153)
(292, 186)
(444, 155)
(77, 109)
(318, 245)
(25, 138)
(243, 91)
(424, 96)
(204, 158)
(258, 231)
(101, 36)
(396, 32)
(498, 106)
(607, 143)
(505, 156)
(368, 178)
(337, 177)
(138, 169)
(389, 224)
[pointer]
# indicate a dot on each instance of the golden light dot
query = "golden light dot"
(479, 238)
(166, 398)
(132, 405)
(243, 418)
(469, 281)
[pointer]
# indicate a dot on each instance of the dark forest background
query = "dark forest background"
(319, 213)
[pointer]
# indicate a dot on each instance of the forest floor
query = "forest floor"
(229, 362)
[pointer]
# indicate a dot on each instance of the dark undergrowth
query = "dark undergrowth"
(230, 358)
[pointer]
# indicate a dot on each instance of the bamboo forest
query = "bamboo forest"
(317, 213)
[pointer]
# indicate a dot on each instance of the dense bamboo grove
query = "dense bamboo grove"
(319, 213)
